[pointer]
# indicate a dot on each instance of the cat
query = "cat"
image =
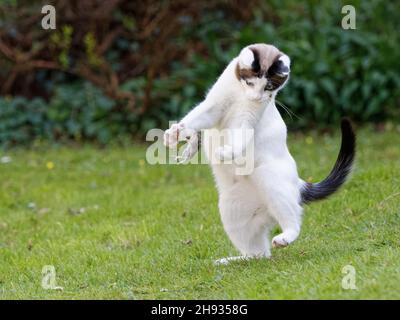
(243, 98)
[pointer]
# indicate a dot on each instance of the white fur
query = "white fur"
(250, 205)
(246, 58)
(286, 60)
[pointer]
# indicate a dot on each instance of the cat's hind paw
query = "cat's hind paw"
(279, 241)
(227, 260)
(285, 238)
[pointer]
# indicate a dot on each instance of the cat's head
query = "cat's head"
(262, 71)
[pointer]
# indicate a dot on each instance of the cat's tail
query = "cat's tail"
(343, 166)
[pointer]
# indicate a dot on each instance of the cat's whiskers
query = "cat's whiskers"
(287, 109)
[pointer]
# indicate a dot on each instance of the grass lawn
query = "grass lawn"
(115, 227)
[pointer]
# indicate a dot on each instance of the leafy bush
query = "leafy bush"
(75, 112)
(335, 72)
(129, 75)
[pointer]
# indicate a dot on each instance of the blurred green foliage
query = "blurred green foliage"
(76, 111)
(335, 72)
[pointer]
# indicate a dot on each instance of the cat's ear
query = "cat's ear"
(246, 58)
(281, 67)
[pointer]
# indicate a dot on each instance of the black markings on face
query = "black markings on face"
(255, 66)
(276, 75)
(278, 68)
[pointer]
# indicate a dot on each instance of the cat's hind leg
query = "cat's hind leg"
(245, 221)
(281, 196)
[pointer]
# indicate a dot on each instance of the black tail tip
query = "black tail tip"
(348, 137)
(347, 126)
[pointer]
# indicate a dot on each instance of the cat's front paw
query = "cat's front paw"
(224, 153)
(191, 148)
(171, 136)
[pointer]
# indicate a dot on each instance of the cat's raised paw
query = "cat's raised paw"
(279, 241)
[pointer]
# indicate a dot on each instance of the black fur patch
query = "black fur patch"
(255, 66)
(278, 68)
(277, 75)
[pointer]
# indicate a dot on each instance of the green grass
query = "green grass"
(153, 231)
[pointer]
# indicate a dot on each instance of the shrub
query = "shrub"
(148, 63)
(76, 112)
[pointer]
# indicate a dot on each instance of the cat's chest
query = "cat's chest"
(240, 113)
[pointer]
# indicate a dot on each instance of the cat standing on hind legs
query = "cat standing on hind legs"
(243, 98)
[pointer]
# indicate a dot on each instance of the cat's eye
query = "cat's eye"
(269, 86)
(250, 84)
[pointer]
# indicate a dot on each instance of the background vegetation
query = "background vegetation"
(118, 68)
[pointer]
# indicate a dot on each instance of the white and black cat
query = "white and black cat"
(243, 98)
